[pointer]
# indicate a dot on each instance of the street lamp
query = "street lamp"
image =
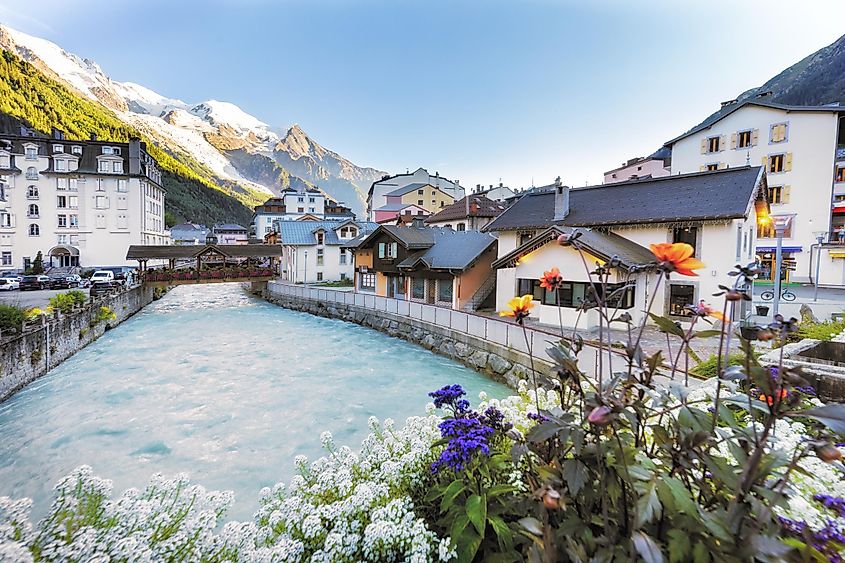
(305, 281)
(820, 238)
(780, 223)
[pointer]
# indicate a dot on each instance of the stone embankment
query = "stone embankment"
(42, 346)
(500, 361)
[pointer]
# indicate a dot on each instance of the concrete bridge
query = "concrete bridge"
(208, 263)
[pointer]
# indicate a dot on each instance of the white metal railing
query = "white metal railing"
(491, 329)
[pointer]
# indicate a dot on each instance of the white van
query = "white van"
(102, 276)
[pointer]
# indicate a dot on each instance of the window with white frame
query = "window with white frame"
(74, 221)
(61, 239)
(5, 219)
(32, 211)
(32, 192)
(76, 149)
(34, 230)
(61, 202)
(31, 153)
(122, 222)
(101, 202)
(388, 250)
(100, 221)
(31, 173)
(73, 202)
(104, 166)
(6, 258)
(61, 165)
(73, 184)
(367, 281)
(121, 185)
(320, 257)
(62, 221)
(117, 167)
(58, 148)
(61, 184)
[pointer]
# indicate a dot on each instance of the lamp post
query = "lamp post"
(781, 224)
(305, 281)
(820, 239)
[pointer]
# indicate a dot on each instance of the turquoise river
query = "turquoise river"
(217, 384)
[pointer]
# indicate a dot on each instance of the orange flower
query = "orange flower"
(677, 257)
(518, 308)
(705, 310)
(551, 280)
(771, 400)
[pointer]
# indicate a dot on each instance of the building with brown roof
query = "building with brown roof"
(470, 213)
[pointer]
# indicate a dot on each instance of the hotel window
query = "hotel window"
(767, 230)
(32, 210)
(76, 149)
(420, 202)
(713, 144)
(417, 288)
(62, 221)
(5, 219)
(300, 200)
(58, 148)
(101, 185)
(101, 202)
(61, 184)
(31, 173)
(321, 238)
(61, 202)
(778, 194)
(61, 165)
(310, 200)
(104, 166)
(74, 239)
(319, 276)
(32, 192)
(117, 167)
(74, 184)
(73, 202)
(121, 185)
(778, 133)
(31, 153)
(777, 163)
(34, 230)
(743, 140)
(688, 235)
(320, 257)
(367, 281)
(6, 258)
(840, 174)
(444, 291)
(681, 296)
(74, 221)
(61, 239)
(342, 256)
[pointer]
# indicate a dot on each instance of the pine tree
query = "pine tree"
(37, 265)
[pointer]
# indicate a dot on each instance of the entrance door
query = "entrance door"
(430, 291)
(767, 266)
(391, 286)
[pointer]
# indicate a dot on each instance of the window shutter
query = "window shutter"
(702, 168)
(12, 219)
(723, 142)
(784, 194)
(755, 136)
(733, 141)
(703, 146)
(787, 164)
(766, 163)
(381, 250)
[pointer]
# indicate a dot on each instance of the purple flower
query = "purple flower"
(836, 504)
(537, 417)
(450, 397)
(828, 541)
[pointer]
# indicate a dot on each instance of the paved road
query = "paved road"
(27, 299)
(829, 300)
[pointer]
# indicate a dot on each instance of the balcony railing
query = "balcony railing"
(836, 237)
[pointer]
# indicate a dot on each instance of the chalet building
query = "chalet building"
(715, 212)
(189, 234)
(78, 202)
(297, 204)
(314, 251)
(469, 213)
(426, 264)
(803, 151)
(230, 233)
(376, 197)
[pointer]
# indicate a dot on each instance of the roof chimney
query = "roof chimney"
(58, 134)
(134, 155)
(561, 200)
(418, 222)
(93, 136)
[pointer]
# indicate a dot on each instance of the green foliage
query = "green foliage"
(193, 192)
(65, 302)
(818, 331)
(37, 266)
(104, 313)
(11, 317)
(709, 368)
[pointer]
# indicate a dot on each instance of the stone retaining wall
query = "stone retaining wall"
(26, 357)
(501, 363)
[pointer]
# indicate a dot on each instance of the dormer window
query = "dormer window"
(58, 148)
(321, 237)
(61, 165)
(117, 167)
(111, 150)
(104, 166)
(31, 153)
(76, 149)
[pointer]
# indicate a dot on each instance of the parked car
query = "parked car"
(102, 276)
(8, 284)
(101, 288)
(65, 281)
(34, 282)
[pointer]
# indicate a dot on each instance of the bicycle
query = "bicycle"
(769, 295)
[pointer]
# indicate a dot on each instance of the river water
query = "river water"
(218, 384)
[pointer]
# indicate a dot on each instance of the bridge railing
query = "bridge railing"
(492, 329)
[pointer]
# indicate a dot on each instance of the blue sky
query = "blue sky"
(477, 90)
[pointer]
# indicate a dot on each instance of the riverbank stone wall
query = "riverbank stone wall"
(26, 357)
(499, 362)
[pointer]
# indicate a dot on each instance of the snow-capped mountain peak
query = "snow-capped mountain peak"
(227, 113)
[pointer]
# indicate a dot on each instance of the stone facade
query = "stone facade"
(501, 363)
(26, 357)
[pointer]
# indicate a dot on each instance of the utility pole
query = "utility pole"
(820, 239)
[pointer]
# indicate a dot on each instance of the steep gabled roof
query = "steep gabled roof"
(408, 189)
(700, 196)
(600, 244)
(478, 206)
(452, 250)
(302, 233)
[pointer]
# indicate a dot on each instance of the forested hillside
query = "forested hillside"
(193, 194)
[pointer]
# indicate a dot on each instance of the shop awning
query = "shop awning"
(775, 248)
(839, 208)
(837, 253)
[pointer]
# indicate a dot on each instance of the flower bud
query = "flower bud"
(551, 499)
(734, 295)
(828, 453)
(765, 335)
(600, 416)
(563, 239)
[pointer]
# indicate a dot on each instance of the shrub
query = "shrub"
(11, 317)
(710, 367)
(63, 302)
(104, 313)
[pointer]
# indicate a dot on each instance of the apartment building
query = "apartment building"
(315, 251)
(379, 190)
(801, 149)
(654, 165)
(296, 204)
(79, 203)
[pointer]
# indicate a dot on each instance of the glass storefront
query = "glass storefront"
(767, 266)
